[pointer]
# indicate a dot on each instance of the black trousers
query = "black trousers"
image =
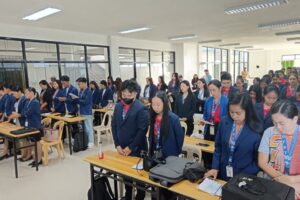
(208, 157)
(190, 127)
(128, 192)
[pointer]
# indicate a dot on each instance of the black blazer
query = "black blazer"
(186, 108)
(163, 87)
(267, 121)
(47, 97)
(152, 91)
(200, 103)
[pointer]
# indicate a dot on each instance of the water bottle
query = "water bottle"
(100, 153)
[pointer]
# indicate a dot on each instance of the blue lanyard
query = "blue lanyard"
(233, 140)
(289, 154)
(213, 110)
(124, 114)
(157, 128)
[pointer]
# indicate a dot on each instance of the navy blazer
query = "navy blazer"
(108, 95)
(96, 96)
(21, 107)
(174, 90)
(208, 106)
(232, 90)
(267, 121)
(245, 154)
(57, 104)
(71, 104)
(152, 91)
(186, 108)
(172, 143)
(85, 102)
(32, 113)
(8, 104)
(283, 93)
(131, 131)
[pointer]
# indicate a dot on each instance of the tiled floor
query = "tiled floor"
(66, 179)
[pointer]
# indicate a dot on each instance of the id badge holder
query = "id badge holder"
(211, 130)
(26, 123)
(229, 171)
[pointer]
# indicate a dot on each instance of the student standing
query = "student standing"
(237, 140)
(185, 106)
(8, 101)
(162, 86)
(173, 89)
(227, 88)
(111, 84)
(240, 85)
(279, 150)
(150, 89)
(96, 94)
(106, 94)
(207, 77)
(201, 94)
(271, 94)
(255, 94)
(85, 102)
(57, 105)
(70, 104)
(129, 127)
(289, 90)
(194, 82)
(45, 96)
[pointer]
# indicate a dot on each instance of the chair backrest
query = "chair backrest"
(183, 125)
(107, 117)
(192, 152)
(46, 122)
(60, 126)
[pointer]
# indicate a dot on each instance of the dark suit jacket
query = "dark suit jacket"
(108, 95)
(131, 131)
(152, 91)
(96, 96)
(267, 121)
(186, 109)
(58, 105)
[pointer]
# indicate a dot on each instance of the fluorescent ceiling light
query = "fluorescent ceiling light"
(255, 6)
(41, 14)
(230, 44)
(210, 41)
(288, 33)
(134, 30)
(183, 37)
(294, 38)
(244, 47)
(279, 24)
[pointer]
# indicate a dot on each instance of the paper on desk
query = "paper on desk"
(206, 122)
(139, 166)
(210, 186)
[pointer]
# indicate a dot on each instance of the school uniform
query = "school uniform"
(265, 119)
(112, 88)
(228, 93)
(185, 108)
(19, 107)
(150, 91)
(46, 97)
(105, 96)
(244, 158)
(171, 144)
(58, 105)
(138, 92)
(162, 87)
(286, 92)
(8, 104)
(71, 105)
(201, 96)
(96, 96)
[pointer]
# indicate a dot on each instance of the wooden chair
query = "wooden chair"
(46, 122)
(184, 125)
(57, 144)
(104, 128)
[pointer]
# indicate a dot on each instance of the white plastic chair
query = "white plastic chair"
(106, 129)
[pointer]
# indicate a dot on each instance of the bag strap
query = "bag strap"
(111, 194)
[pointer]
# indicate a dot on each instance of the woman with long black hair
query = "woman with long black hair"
(45, 96)
(173, 89)
(161, 85)
(201, 94)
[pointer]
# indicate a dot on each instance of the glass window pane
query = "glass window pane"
(211, 61)
(168, 56)
(10, 50)
(126, 70)
(217, 63)
(98, 71)
(142, 56)
(125, 55)
(41, 71)
(156, 56)
(40, 51)
(71, 53)
(156, 71)
(12, 73)
(73, 70)
(168, 71)
(142, 72)
(203, 62)
(97, 53)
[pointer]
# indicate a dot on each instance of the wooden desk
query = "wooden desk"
(103, 110)
(68, 121)
(5, 130)
(195, 141)
(122, 166)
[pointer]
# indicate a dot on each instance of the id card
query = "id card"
(211, 130)
(229, 171)
(26, 123)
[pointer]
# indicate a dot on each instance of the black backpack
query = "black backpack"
(247, 187)
(102, 190)
(80, 141)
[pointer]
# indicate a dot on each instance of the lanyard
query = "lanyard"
(213, 110)
(157, 128)
(233, 139)
(289, 154)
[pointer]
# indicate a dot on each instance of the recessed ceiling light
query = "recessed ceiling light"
(41, 14)
(244, 47)
(183, 37)
(280, 24)
(255, 6)
(294, 38)
(210, 41)
(230, 44)
(134, 30)
(288, 33)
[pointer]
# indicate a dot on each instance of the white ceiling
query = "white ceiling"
(166, 18)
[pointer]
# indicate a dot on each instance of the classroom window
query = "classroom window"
(10, 50)
(71, 53)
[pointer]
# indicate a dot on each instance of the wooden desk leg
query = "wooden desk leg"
(92, 181)
(36, 156)
(15, 157)
(116, 187)
(69, 137)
